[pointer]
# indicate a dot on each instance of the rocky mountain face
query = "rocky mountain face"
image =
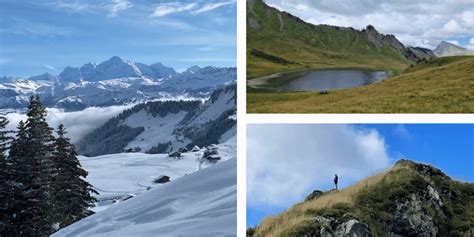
(418, 53)
(413, 54)
(112, 82)
(166, 126)
(115, 67)
(445, 49)
(410, 199)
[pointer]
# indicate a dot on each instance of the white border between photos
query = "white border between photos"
(244, 119)
(241, 118)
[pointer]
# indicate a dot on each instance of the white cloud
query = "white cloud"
(78, 124)
(453, 27)
(165, 9)
(211, 6)
(471, 44)
(50, 67)
(116, 6)
(414, 22)
(402, 132)
(286, 162)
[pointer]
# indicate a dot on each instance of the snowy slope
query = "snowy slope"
(157, 130)
(198, 204)
(118, 176)
(211, 122)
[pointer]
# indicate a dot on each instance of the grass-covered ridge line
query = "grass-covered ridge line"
(310, 46)
(440, 85)
(374, 200)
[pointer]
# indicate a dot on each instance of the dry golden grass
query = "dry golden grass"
(446, 88)
(298, 215)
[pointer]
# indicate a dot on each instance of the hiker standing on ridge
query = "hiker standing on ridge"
(336, 179)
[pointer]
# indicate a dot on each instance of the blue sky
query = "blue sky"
(337, 148)
(48, 35)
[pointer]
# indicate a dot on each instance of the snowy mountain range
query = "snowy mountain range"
(112, 82)
(166, 126)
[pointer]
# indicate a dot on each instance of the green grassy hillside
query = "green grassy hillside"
(303, 45)
(408, 199)
(441, 85)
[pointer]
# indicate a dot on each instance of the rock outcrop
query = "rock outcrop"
(331, 227)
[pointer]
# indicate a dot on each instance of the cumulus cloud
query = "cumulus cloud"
(78, 123)
(416, 23)
(471, 44)
(286, 162)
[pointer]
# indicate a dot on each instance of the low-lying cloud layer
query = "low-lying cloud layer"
(286, 162)
(78, 124)
(414, 22)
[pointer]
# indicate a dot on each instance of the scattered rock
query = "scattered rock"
(331, 227)
(352, 228)
(315, 194)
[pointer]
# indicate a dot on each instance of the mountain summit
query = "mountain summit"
(409, 199)
(448, 49)
(115, 67)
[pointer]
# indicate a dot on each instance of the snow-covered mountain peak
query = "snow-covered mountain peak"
(112, 82)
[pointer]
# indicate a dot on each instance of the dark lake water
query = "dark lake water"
(317, 80)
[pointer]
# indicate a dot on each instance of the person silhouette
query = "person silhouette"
(336, 179)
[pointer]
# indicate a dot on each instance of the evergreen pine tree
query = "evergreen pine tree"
(32, 157)
(6, 184)
(72, 192)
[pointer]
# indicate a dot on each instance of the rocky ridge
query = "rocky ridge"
(411, 199)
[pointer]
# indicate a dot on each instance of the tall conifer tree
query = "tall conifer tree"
(32, 157)
(72, 192)
(6, 182)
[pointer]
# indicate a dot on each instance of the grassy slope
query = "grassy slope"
(372, 202)
(443, 85)
(310, 46)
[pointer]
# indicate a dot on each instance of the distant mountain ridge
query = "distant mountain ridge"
(445, 49)
(165, 126)
(115, 67)
(112, 82)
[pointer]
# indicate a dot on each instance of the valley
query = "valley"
(279, 43)
(443, 85)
